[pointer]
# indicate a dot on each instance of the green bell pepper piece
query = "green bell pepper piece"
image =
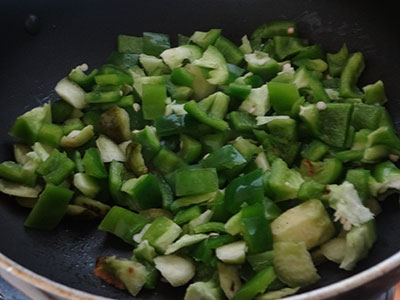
(85, 81)
(179, 94)
(130, 44)
(234, 72)
(210, 227)
(50, 134)
(185, 216)
(60, 111)
(183, 39)
(226, 157)
(20, 153)
(194, 110)
(352, 70)
(102, 97)
(153, 66)
(337, 61)
(327, 171)
(153, 276)
(170, 125)
(205, 39)
(155, 43)
(307, 83)
(366, 116)
(93, 164)
(349, 155)
(276, 28)
(262, 64)
(261, 260)
(212, 142)
(77, 138)
(176, 57)
(310, 190)
(201, 87)
(116, 175)
(246, 148)
(245, 47)
(312, 64)
(113, 79)
(254, 80)
(167, 161)
(56, 168)
(145, 190)
(213, 59)
(283, 129)
(14, 172)
(161, 233)
(181, 76)
(256, 230)
(309, 114)
(311, 52)
(123, 223)
(245, 189)
(360, 179)
(142, 80)
(283, 182)
(50, 208)
(239, 90)
(271, 210)
(71, 93)
(123, 60)
(282, 96)
(147, 137)
(111, 69)
(219, 213)
(153, 100)
(87, 185)
(190, 149)
(71, 125)
(98, 208)
(334, 122)
(134, 159)
(191, 181)
(385, 136)
(286, 46)
(231, 52)
(315, 150)
(27, 126)
(144, 252)
(257, 103)
(256, 285)
(385, 171)
(242, 121)
(215, 105)
(276, 147)
(375, 93)
(204, 251)
(192, 200)
(42, 151)
(20, 190)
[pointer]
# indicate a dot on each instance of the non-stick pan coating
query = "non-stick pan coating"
(76, 32)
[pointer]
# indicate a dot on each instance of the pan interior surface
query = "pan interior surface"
(86, 31)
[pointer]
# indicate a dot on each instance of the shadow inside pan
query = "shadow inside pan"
(85, 31)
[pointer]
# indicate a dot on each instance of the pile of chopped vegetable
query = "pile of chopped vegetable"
(233, 170)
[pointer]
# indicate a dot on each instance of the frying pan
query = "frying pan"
(76, 32)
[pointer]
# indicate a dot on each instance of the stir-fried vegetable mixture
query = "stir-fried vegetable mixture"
(232, 170)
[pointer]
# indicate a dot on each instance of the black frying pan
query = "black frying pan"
(85, 31)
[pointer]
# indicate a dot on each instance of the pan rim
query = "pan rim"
(57, 289)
